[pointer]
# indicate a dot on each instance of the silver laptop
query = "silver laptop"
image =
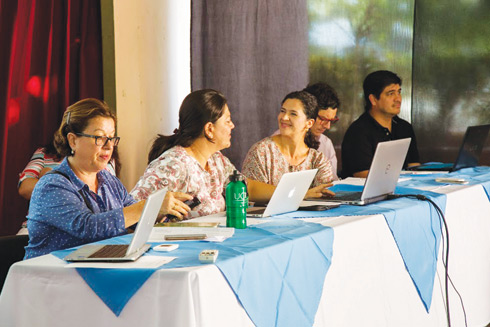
(125, 252)
(289, 193)
(382, 177)
(469, 151)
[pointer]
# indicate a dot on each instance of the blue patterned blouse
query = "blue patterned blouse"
(64, 213)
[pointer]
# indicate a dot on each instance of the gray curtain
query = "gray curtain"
(255, 52)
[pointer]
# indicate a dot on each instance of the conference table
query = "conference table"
(367, 283)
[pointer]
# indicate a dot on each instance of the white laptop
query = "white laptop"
(287, 197)
(125, 252)
(382, 177)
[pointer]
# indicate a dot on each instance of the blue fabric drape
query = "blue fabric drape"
(415, 226)
(276, 269)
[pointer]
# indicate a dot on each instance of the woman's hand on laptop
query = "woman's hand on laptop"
(320, 191)
(173, 204)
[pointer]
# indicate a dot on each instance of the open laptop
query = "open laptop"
(469, 151)
(287, 197)
(382, 177)
(125, 252)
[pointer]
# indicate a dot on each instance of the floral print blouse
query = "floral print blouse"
(177, 171)
(265, 163)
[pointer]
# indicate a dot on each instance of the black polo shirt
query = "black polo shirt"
(362, 137)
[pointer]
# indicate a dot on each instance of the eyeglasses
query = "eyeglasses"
(102, 140)
(326, 120)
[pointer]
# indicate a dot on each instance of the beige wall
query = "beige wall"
(152, 69)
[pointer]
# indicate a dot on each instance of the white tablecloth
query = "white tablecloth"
(366, 285)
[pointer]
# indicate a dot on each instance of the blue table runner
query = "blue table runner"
(291, 281)
(414, 224)
(114, 287)
(405, 218)
(278, 282)
(475, 175)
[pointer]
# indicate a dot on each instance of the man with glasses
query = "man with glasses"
(379, 123)
(328, 104)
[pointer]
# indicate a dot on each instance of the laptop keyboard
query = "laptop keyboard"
(256, 211)
(111, 251)
(348, 196)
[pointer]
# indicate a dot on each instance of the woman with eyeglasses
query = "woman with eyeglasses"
(293, 149)
(42, 161)
(79, 201)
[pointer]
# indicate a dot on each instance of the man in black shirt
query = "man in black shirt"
(379, 122)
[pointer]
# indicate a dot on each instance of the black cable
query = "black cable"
(447, 279)
(424, 198)
(445, 265)
(460, 301)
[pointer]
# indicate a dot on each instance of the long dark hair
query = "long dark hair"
(310, 108)
(198, 108)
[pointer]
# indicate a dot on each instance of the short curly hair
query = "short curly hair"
(325, 95)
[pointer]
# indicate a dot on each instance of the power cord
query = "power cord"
(445, 260)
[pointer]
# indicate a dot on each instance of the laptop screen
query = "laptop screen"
(147, 221)
(385, 168)
(472, 147)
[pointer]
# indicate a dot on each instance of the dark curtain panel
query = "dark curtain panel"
(451, 75)
(50, 58)
(255, 52)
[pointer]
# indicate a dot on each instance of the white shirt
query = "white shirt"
(326, 147)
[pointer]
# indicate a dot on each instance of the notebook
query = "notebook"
(469, 151)
(125, 252)
(287, 196)
(382, 177)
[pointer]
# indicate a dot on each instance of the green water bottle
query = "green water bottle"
(236, 202)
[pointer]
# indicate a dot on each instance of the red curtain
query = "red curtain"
(50, 57)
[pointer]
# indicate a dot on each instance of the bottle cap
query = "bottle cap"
(236, 177)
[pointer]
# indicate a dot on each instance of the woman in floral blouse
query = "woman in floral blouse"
(293, 149)
(190, 160)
